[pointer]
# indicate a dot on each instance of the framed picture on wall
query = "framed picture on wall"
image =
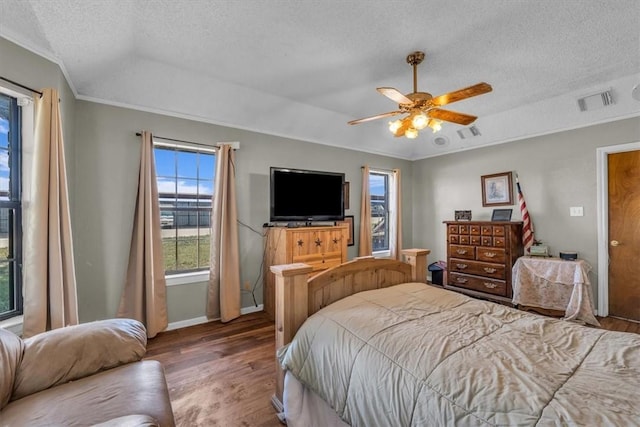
(497, 189)
(348, 220)
(346, 196)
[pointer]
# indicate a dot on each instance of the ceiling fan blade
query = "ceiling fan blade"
(461, 94)
(451, 116)
(379, 116)
(394, 95)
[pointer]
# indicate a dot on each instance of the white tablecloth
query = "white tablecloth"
(556, 284)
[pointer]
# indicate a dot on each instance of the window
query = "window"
(185, 189)
(380, 212)
(10, 208)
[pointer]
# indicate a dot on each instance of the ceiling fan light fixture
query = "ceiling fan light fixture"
(395, 125)
(411, 133)
(419, 121)
(422, 108)
(435, 125)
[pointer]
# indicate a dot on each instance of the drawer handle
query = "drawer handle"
(461, 266)
(461, 280)
(318, 242)
(300, 242)
(490, 270)
(461, 251)
(490, 254)
(490, 285)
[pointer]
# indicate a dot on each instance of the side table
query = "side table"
(555, 284)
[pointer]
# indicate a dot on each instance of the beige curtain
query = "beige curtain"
(395, 243)
(144, 294)
(223, 300)
(364, 244)
(50, 299)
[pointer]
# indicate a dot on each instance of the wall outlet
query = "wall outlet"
(576, 211)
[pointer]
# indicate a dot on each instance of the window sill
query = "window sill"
(13, 324)
(381, 254)
(187, 278)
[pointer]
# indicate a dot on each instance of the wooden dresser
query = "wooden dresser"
(480, 256)
(320, 247)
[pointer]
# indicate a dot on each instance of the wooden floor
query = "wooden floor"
(223, 375)
(220, 375)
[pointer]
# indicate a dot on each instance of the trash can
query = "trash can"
(437, 269)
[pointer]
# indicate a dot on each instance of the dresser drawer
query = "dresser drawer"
(463, 229)
(453, 229)
(475, 230)
(460, 251)
(465, 239)
(496, 271)
(486, 285)
(498, 230)
(454, 239)
(498, 242)
(496, 255)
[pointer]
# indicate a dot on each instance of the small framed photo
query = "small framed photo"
(346, 195)
(501, 215)
(463, 215)
(497, 189)
(348, 220)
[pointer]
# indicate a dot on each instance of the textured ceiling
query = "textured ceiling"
(303, 68)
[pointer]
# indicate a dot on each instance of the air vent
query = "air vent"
(469, 132)
(441, 140)
(595, 101)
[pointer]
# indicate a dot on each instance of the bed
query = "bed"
(369, 343)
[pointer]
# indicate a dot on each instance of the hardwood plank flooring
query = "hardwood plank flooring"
(220, 374)
(223, 374)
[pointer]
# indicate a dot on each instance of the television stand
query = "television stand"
(320, 246)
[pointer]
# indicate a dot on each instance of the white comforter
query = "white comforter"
(415, 355)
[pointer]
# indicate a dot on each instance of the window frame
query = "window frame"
(389, 212)
(14, 204)
(180, 277)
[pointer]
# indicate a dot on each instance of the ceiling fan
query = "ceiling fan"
(422, 108)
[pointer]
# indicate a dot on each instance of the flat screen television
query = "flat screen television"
(306, 195)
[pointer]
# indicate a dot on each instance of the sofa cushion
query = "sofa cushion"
(66, 354)
(11, 348)
(133, 389)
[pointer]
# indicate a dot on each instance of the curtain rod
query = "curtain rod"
(21, 85)
(180, 140)
(378, 169)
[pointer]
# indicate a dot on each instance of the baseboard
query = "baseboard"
(204, 319)
(251, 309)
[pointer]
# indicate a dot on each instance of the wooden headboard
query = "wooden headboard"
(298, 297)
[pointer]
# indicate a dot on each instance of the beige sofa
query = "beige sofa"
(89, 374)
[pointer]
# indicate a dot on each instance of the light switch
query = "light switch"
(576, 211)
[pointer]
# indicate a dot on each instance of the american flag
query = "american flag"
(527, 226)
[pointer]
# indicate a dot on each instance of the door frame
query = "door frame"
(603, 220)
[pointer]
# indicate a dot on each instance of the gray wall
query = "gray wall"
(556, 172)
(33, 71)
(106, 168)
